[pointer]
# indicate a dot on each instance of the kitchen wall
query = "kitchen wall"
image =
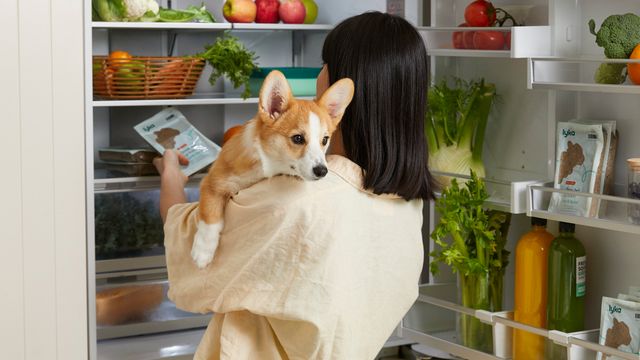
(42, 188)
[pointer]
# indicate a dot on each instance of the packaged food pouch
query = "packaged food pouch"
(578, 157)
(619, 326)
(629, 297)
(634, 291)
(169, 129)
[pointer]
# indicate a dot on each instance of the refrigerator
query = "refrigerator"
(544, 76)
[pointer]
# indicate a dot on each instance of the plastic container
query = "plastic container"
(566, 287)
(301, 79)
(532, 254)
(633, 189)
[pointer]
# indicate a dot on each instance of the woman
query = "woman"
(324, 269)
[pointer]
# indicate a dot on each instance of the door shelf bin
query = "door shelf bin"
(553, 73)
(432, 321)
(611, 211)
(138, 308)
(526, 41)
(507, 188)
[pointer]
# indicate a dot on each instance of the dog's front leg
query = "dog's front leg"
(211, 212)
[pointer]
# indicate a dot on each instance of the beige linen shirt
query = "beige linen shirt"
(304, 270)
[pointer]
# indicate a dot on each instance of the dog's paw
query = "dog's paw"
(205, 243)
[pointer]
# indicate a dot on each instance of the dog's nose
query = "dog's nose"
(320, 171)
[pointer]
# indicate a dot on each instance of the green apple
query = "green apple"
(312, 11)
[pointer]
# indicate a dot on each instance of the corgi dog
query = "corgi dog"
(286, 137)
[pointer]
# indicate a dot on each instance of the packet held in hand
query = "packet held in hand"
(620, 326)
(169, 129)
(578, 157)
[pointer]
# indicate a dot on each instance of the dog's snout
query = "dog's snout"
(320, 171)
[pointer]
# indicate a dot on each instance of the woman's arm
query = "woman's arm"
(172, 180)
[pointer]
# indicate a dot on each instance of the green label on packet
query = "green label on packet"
(581, 276)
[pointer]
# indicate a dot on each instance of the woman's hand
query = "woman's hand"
(172, 180)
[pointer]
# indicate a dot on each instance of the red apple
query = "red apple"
(292, 11)
(239, 11)
(267, 11)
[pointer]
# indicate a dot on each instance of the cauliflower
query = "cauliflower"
(618, 35)
(124, 10)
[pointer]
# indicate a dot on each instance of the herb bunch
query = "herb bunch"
(478, 236)
(230, 58)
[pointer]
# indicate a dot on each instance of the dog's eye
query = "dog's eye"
(297, 139)
(325, 140)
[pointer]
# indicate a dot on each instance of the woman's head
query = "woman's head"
(383, 128)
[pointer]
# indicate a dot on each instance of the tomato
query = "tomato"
(467, 39)
(231, 132)
(488, 40)
(457, 38)
(633, 70)
(119, 57)
(480, 13)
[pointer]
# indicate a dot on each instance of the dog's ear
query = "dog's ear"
(275, 95)
(336, 99)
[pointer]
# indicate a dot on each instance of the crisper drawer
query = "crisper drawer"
(128, 229)
(140, 307)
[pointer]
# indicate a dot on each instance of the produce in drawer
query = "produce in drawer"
(146, 11)
(618, 35)
(127, 303)
(481, 13)
(455, 126)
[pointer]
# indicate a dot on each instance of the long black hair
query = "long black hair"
(383, 127)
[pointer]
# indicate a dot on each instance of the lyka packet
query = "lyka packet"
(620, 326)
(169, 129)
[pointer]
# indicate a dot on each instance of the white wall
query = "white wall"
(42, 187)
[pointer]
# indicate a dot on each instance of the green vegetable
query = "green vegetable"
(190, 14)
(124, 10)
(618, 35)
(478, 236)
(456, 123)
(230, 58)
(611, 73)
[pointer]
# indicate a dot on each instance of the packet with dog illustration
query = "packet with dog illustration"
(578, 158)
(619, 326)
(169, 129)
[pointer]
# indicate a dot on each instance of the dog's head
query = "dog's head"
(294, 134)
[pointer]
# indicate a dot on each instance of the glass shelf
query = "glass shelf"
(526, 41)
(507, 188)
(198, 99)
(209, 26)
(553, 73)
(610, 212)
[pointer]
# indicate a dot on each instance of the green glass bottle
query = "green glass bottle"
(566, 287)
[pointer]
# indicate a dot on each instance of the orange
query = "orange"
(119, 57)
(633, 70)
(231, 132)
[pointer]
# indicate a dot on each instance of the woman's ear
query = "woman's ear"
(336, 99)
(275, 95)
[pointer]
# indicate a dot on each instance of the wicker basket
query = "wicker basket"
(145, 77)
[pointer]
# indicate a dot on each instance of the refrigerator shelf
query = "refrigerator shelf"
(209, 26)
(428, 324)
(197, 99)
(507, 188)
(526, 41)
(611, 210)
(136, 183)
(574, 74)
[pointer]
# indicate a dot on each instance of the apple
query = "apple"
(267, 11)
(239, 11)
(311, 8)
(292, 12)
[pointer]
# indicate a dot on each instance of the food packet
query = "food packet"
(629, 297)
(619, 326)
(169, 129)
(579, 153)
(634, 290)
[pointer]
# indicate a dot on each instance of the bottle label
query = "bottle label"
(581, 276)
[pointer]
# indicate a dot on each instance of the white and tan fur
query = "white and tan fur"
(268, 145)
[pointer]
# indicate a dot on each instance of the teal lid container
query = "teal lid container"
(301, 79)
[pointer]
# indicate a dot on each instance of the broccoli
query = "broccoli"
(611, 73)
(618, 35)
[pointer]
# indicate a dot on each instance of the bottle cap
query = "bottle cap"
(567, 227)
(538, 222)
